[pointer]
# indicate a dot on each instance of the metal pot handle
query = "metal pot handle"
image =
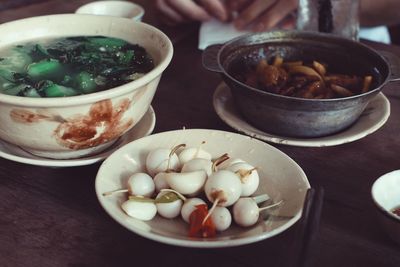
(394, 65)
(210, 58)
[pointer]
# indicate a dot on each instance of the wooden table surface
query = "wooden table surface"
(51, 217)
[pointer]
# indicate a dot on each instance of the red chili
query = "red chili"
(396, 211)
(197, 227)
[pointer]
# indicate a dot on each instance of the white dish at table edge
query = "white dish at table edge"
(385, 194)
(143, 128)
(374, 116)
(280, 178)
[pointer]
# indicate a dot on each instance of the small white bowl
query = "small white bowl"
(122, 9)
(386, 195)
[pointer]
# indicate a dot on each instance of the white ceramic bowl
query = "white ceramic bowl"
(55, 127)
(281, 178)
(386, 195)
(122, 9)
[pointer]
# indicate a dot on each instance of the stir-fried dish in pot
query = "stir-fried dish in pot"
(304, 80)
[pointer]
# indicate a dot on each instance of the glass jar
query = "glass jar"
(340, 17)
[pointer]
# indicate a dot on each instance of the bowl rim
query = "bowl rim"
(97, 96)
(303, 34)
(381, 209)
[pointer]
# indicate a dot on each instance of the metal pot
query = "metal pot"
(298, 117)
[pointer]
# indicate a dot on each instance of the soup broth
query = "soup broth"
(70, 66)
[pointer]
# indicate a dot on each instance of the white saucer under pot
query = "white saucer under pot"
(373, 117)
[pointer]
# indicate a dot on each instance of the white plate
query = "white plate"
(374, 116)
(143, 128)
(280, 177)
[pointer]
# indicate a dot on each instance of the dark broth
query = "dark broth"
(71, 66)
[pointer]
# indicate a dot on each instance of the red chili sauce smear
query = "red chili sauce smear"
(396, 211)
(197, 227)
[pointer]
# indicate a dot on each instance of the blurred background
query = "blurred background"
(6, 14)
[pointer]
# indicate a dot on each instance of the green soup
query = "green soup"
(71, 66)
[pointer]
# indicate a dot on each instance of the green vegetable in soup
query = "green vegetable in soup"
(106, 43)
(71, 66)
(6, 75)
(17, 89)
(126, 57)
(17, 61)
(86, 82)
(45, 69)
(51, 89)
(66, 80)
(31, 92)
(38, 53)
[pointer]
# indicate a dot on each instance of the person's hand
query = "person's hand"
(261, 15)
(180, 11)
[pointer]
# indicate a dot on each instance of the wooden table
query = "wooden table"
(51, 217)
